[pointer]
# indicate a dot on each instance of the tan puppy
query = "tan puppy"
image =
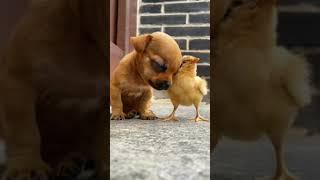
(259, 87)
(155, 59)
(52, 88)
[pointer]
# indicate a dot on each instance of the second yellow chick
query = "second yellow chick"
(187, 88)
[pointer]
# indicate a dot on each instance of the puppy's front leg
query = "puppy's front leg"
(116, 103)
(144, 106)
(100, 145)
(22, 135)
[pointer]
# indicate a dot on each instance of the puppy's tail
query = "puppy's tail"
(202, 84)
(296, 78)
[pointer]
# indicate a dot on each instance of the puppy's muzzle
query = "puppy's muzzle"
(162, 85)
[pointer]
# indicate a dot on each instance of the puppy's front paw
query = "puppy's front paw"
(118, 116)
(32, 171)
(149, 115)
(131, 114)
(72, 167)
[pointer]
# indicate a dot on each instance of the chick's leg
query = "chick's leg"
(172, 116)
(281, 169)
(198, 116)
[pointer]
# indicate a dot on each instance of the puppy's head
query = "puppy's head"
(244, 13)
(159, 57)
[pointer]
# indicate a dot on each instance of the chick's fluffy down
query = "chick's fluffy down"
(188, 90)
(295, 76)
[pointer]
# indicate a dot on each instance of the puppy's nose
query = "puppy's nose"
(164, 85)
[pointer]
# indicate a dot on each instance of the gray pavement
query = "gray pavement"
(161, 150)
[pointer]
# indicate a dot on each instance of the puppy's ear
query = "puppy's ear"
(140, 43)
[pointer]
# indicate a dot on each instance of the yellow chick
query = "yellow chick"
(187, 88)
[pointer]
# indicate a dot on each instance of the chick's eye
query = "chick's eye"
(158, 67)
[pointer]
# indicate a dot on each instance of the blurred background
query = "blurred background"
(298, 30)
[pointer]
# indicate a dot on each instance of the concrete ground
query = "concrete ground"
(143, 150)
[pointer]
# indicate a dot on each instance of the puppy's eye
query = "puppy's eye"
(158, 67)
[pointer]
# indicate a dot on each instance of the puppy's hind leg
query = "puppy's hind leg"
(116, 104)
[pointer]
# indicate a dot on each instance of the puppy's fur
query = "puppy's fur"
(152, 64)
(52, 87)
(259, 86)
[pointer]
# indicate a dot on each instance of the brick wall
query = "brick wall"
(188, 21)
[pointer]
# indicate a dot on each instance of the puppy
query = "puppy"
(52, 88)
(259, 86)
(156, 57)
